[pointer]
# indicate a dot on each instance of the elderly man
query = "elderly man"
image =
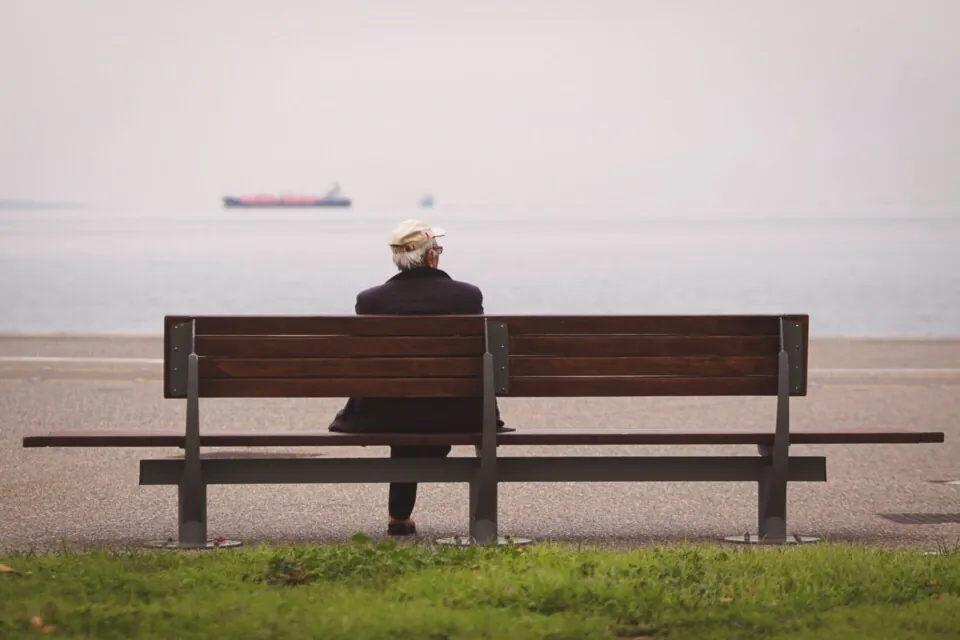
(420, 288)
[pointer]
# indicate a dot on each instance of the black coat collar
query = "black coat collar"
(420, 272)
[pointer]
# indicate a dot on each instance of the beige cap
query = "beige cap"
(411, 235)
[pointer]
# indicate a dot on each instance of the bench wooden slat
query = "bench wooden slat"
(337, 346)
(219, 367)
(455, 367)
(341, 325)
(545, 387)
(633, 345)
(657, 365)
(709, 437)
(241, 439)
(596, 387)
(340, 387)
(559, 437)
(721, 325)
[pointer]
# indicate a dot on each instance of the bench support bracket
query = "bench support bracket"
(192, 490)
(193, 499)
(483, 489)
(772, 484)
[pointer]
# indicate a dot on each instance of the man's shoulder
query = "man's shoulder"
(466, 286)
(372, 291)
(463, 295)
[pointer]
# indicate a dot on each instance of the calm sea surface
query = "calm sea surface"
(90, 270)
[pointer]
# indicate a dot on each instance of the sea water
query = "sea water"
(92, 270)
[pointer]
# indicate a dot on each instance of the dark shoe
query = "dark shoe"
(505, 429)
(401, 527)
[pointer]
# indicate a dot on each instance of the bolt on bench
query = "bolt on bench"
(487, 357)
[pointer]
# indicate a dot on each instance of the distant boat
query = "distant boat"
(426, 201)
(331, 198)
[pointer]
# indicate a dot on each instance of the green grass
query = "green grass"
(381, 591)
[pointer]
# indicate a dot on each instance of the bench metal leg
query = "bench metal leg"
(483, 508)
(771, 505)
(192, 513)
(483, 504)
(192, 521)
(483, 521)
(771, 512)
(474, 489)
(483, 518)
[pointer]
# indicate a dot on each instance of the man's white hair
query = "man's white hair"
(406, 260)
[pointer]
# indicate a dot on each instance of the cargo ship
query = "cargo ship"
(332, 198)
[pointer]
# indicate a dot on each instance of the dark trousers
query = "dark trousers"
(403, 495)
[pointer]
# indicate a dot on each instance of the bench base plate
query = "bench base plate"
(468, 541)
(187, 546)
(753, 538)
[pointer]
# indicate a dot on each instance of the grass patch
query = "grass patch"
(366, 590)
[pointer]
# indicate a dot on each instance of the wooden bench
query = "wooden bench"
(522, 356)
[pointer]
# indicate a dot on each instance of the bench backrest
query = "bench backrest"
(328, 356)
(652, 355)
(442, 356)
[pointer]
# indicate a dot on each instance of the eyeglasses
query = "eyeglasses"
(438, 249)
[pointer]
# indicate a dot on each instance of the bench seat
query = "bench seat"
(553, 437)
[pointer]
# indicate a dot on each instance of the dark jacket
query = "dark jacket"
(420, 291)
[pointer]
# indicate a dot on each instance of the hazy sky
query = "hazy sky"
(849, 106)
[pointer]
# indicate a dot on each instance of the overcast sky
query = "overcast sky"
(820, 106)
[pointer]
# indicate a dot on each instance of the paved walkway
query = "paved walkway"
(52, 497)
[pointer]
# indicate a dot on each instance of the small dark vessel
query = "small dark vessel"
(330, 199)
